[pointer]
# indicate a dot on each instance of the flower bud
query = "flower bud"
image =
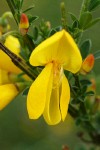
(87, 64)
(24, 24)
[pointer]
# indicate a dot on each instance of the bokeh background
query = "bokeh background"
(17, 132)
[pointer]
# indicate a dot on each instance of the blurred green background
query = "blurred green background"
(17, 132)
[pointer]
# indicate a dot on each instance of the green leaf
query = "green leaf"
(90, 93)
(17, 16)
(25, 92)
(85, 82)
(75, 24)
(93, 22)
(85, 48)
(84, 89)
(97, 55)
(93, 5)
(58, 28)
(17, 3)
(85, 19)
(77, 33)
(81, 99)
(35, 33)
(21, 3)
(52, 31)
(29, 8)
(32, 18)
(73, 17)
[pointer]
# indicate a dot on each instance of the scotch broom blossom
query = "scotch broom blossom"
(49, 94)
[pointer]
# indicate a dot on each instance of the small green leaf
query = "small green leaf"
(97, 55)
(85, 19)
(32, 18)
(25, 92)
(75, 24)
(81, 99)
(84, 89)
(58, 28)
(17, 3)
(85, 48)
(93, 5)
(21, 3)
(73, 17)
(90, 93)
(85, 82)
(52, 31)
(29, 8)
(93, 22)
(77, 33)
(35, 33)
(17, 16)
(85, 118)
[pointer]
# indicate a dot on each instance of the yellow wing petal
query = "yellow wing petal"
(65, 97)
(37, 93)
(52, 111)
(7, 93)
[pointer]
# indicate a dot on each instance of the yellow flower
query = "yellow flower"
(50, 92)
(6, 63)
(7, 93)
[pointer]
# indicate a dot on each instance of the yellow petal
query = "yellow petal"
(46, 51)
(60, 48)
(72, 59)
(52, 113)
(13, 44)
(7, 94)
(65, 97)
(37, 93)
(4, 78)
